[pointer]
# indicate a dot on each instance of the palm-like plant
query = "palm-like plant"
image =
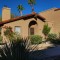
(31, 3)
(20, 9)
(15, 51)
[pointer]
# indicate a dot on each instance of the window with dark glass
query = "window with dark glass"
(31, 31)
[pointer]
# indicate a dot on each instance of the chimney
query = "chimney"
(6, 13)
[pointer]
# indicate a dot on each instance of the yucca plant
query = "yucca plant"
(15, 51)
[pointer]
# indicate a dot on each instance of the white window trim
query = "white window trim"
(19, 27)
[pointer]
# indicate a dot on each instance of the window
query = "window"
(17, 29)
(31, 31)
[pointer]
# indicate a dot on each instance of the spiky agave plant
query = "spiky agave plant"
(16, 51)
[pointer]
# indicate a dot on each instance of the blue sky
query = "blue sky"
(41, 5)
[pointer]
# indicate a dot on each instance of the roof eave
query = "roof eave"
(23, 17)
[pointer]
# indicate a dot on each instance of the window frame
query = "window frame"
(19, 28)
(32, 31)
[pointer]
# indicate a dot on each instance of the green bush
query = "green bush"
(15, 37)
(1, 38)
(10, 35)
(53, 39)
(36, 39)
(46, 30)
(52, 36)
(57, 41)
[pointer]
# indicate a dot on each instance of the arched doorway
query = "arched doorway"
(33, 28)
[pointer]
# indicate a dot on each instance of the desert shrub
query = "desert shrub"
(52, 36)
(10, 35)
(36, 39)
(1, 38)
(59, 35)
(15, 37)
(8, 31)
(56, 41)
(46, 30)
(53, 39)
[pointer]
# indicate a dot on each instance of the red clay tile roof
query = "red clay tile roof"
(23, 17)
(57, 9)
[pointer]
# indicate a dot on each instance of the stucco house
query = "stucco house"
(31, 24)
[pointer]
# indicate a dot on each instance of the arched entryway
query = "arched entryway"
(33, 28)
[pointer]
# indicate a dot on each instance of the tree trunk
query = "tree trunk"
(32, 7)
(20, 13)
(45, 37)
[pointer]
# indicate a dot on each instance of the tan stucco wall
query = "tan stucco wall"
(53, 19)
(24, 24)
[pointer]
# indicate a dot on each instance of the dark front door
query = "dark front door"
(31, 31)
